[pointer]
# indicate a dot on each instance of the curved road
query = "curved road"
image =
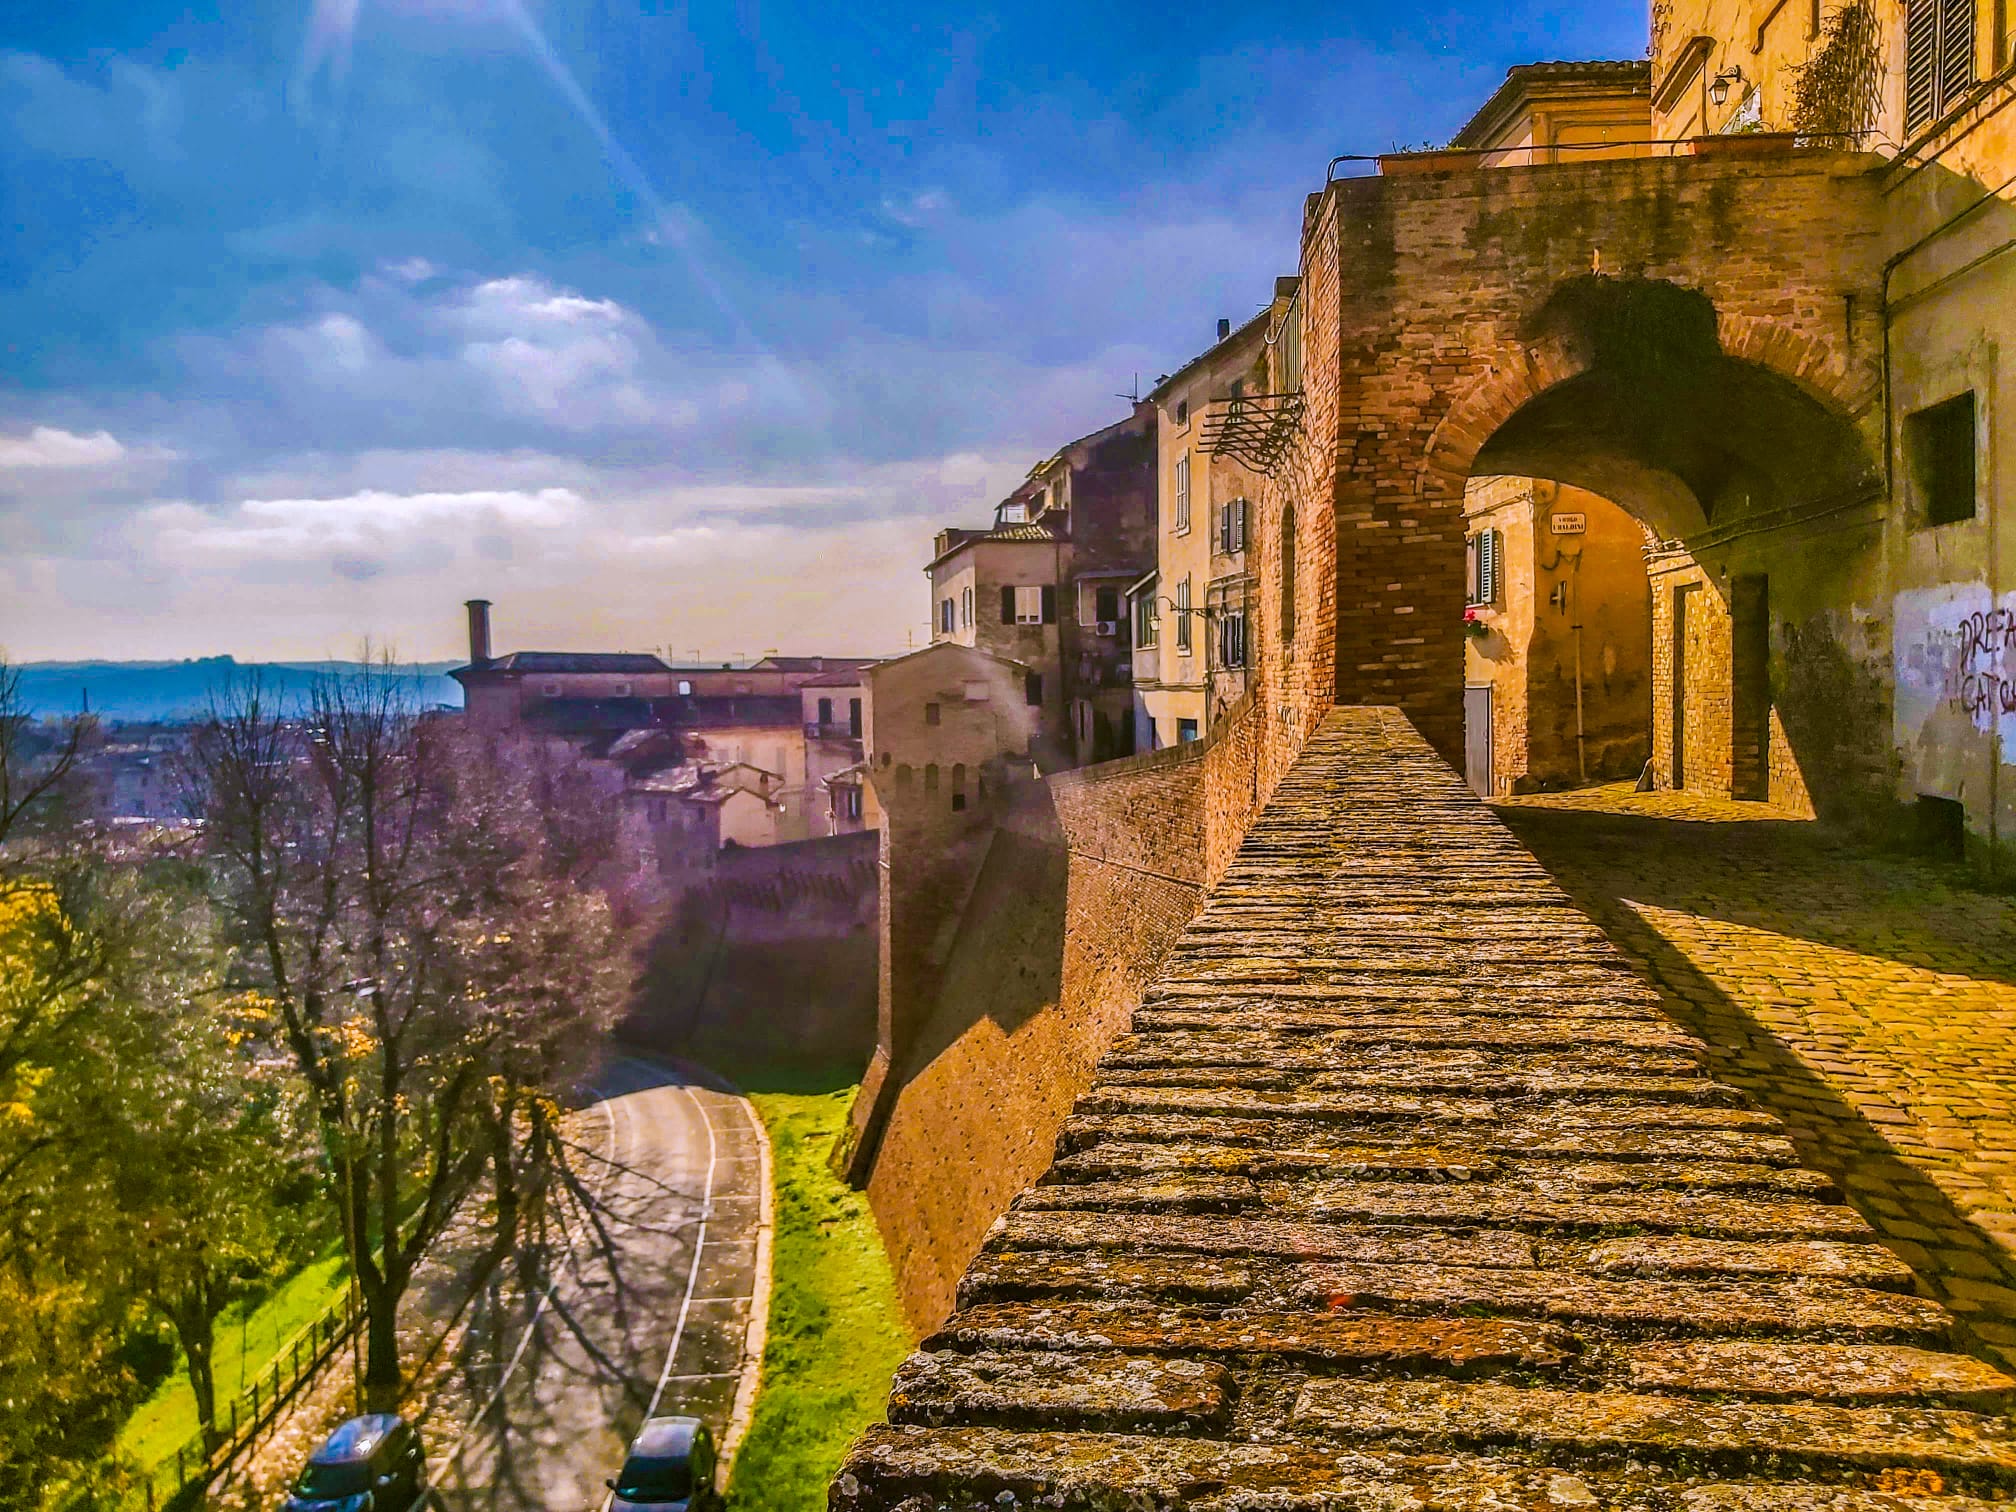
(548, 1388)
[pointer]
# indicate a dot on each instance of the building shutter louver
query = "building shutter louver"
(1956, 51)
(1938, 58)
(1921, 62)
(1007, 606)
(1049, 605)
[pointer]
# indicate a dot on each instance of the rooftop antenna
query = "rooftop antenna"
(1135, 396)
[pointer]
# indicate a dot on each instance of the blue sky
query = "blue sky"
(662, 325)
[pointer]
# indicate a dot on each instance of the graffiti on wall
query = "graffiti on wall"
(1955, 648)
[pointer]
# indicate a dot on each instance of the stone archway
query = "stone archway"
(1694, 339)
(1627, 388)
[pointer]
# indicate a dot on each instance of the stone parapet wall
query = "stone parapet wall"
(1087, 878)
(1401, 1191)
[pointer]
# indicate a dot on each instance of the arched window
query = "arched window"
(931, 777)
(959, 785)
(1288, 574)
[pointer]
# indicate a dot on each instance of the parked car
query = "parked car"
(370, 1464)
(670, 1468)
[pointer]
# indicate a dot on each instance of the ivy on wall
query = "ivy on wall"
(1837, 92)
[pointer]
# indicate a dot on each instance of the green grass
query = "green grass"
(836, 1330)
(245, 1344)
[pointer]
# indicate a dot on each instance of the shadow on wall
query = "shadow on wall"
(1088, 877)
(771, 961)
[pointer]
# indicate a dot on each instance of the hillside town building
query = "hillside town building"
(1046, 584)
(701, 757)
(1190, 616)
(1557, 674)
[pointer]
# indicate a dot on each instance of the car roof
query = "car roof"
(666, 1437)
(358, 1438)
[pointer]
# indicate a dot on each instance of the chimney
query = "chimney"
(1224, 328)
(479, 632)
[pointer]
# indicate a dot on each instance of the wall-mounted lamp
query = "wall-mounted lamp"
(1718, 91)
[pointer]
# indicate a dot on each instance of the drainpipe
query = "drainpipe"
(1575, 593)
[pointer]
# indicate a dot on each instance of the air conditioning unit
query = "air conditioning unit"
(1109, 627)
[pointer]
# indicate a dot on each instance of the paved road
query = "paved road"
(549, 1386)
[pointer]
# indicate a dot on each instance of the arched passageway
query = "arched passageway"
(1709, 452)
(1697, 341)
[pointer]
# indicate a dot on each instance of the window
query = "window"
(1938, 58)
(1482, 567)
(825, 711)
(1183, 618)
(931, 778)
(931, 714)
(1288, 575)
(966, 607)
(1232, 639)
(854, 717)
(1057, 494)
(945, 625)
(1182, 411)
(1145, 617)
(622, 690)
(1186, 730)
(1939, 443)
(1183, 494)
(1029, 606)
(685, 688)
(1232, 527)
(1032, 690)
(1014, 514)
(959, 785)
(850, 803)
(1108, 600)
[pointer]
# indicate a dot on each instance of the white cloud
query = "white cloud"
(46, 446)
(357, 536)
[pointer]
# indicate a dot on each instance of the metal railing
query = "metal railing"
(254, 1407)
(1537, 154)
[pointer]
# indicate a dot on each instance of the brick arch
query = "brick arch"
(1512, 377)
(1820, 370)
(1521, 372)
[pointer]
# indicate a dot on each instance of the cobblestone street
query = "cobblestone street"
(1869, 1000)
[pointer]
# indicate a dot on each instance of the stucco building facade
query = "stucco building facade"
(1190, 616)
(1046, 584)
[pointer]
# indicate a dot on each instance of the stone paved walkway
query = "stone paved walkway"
(1869, 1000)
(1404, 1193)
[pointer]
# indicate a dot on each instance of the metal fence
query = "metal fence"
(254, 1407)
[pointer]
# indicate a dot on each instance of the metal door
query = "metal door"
(1477, 738)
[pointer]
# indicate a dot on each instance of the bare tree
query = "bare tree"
(404, 904)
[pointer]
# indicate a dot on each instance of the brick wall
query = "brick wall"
(1522, 321)
(770, 956)
(1068, 901)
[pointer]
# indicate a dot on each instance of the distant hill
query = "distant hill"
(149, 691)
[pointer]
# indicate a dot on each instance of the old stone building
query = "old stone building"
(1046, 584)
(709, 722)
